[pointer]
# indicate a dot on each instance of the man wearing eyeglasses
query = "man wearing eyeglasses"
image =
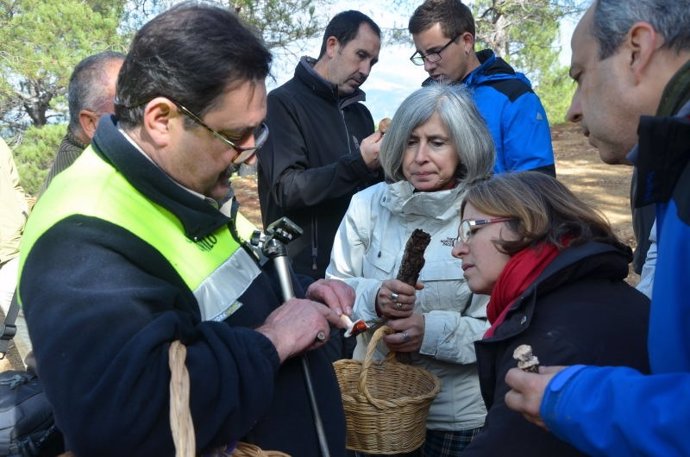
(443, 32)
(129, 250)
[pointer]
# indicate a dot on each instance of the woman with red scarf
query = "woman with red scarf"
(555, 272)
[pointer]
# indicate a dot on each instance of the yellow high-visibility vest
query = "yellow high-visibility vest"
(214, 268)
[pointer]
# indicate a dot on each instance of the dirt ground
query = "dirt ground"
(578, 165)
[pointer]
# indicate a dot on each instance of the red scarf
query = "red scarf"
(519, 273)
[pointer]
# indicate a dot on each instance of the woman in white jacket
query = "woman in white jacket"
(436, 146)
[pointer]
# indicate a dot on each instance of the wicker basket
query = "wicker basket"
(250, 450)
(386, 403)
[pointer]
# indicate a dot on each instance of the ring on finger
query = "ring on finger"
(398, 306)
(394, 296)
(406, 337)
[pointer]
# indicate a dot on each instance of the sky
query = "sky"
(394, 77)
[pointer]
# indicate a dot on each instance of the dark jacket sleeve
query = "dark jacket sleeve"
(101, 335)
(299, 177)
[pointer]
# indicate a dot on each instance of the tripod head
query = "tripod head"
(274, 239)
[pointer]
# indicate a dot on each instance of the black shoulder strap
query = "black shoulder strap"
(8, 328)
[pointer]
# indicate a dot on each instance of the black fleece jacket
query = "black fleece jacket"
(103, 306)
(311, 164)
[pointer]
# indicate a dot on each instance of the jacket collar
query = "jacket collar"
(305, 73)
(491, 68)
(662, 155)
(73, 140)
(401, 197)
(676, 94)
(197, 216)
(590, 260)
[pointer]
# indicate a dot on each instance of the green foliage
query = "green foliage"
(281, 22)
(41, 42)
(36, 153)
(556, 91)
(525, 34)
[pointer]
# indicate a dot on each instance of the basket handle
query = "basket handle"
(369, 360)
(180, 415)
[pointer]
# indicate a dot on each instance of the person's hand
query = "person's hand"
(369, 148)
(335, 294)
(527, 391)
(408, 336)
(395, 299)
(299, 325)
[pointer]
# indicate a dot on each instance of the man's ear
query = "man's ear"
(332, 46)
(467, 42)
(88, 120)
(158, 114)
(642, 41)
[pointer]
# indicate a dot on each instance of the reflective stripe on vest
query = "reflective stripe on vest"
(215, 268)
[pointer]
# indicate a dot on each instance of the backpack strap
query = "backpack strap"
(8, 329)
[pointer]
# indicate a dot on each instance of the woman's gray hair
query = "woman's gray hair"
(614, 18)
(466, 128)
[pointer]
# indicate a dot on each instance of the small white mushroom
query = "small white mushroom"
(526, 361)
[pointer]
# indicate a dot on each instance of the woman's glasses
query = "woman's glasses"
(469, 226)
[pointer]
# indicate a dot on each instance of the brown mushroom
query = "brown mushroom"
(384, 124)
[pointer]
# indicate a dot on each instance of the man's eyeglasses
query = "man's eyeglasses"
(260, 136)
(469, 226)
(418, 58)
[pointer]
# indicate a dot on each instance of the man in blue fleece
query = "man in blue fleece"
(443, 32)
(129, 249)
(631, 62)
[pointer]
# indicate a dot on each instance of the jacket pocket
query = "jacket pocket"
(379, 263)
(445, 287)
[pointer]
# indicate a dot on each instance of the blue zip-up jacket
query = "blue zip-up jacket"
(514, 114)
(618, 411)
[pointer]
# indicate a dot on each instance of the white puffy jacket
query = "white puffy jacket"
(368, 249)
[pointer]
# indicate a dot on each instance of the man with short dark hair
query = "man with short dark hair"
(631, 62)
(129, 251)
(321, 150)
(90, 94)
(444, 34)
